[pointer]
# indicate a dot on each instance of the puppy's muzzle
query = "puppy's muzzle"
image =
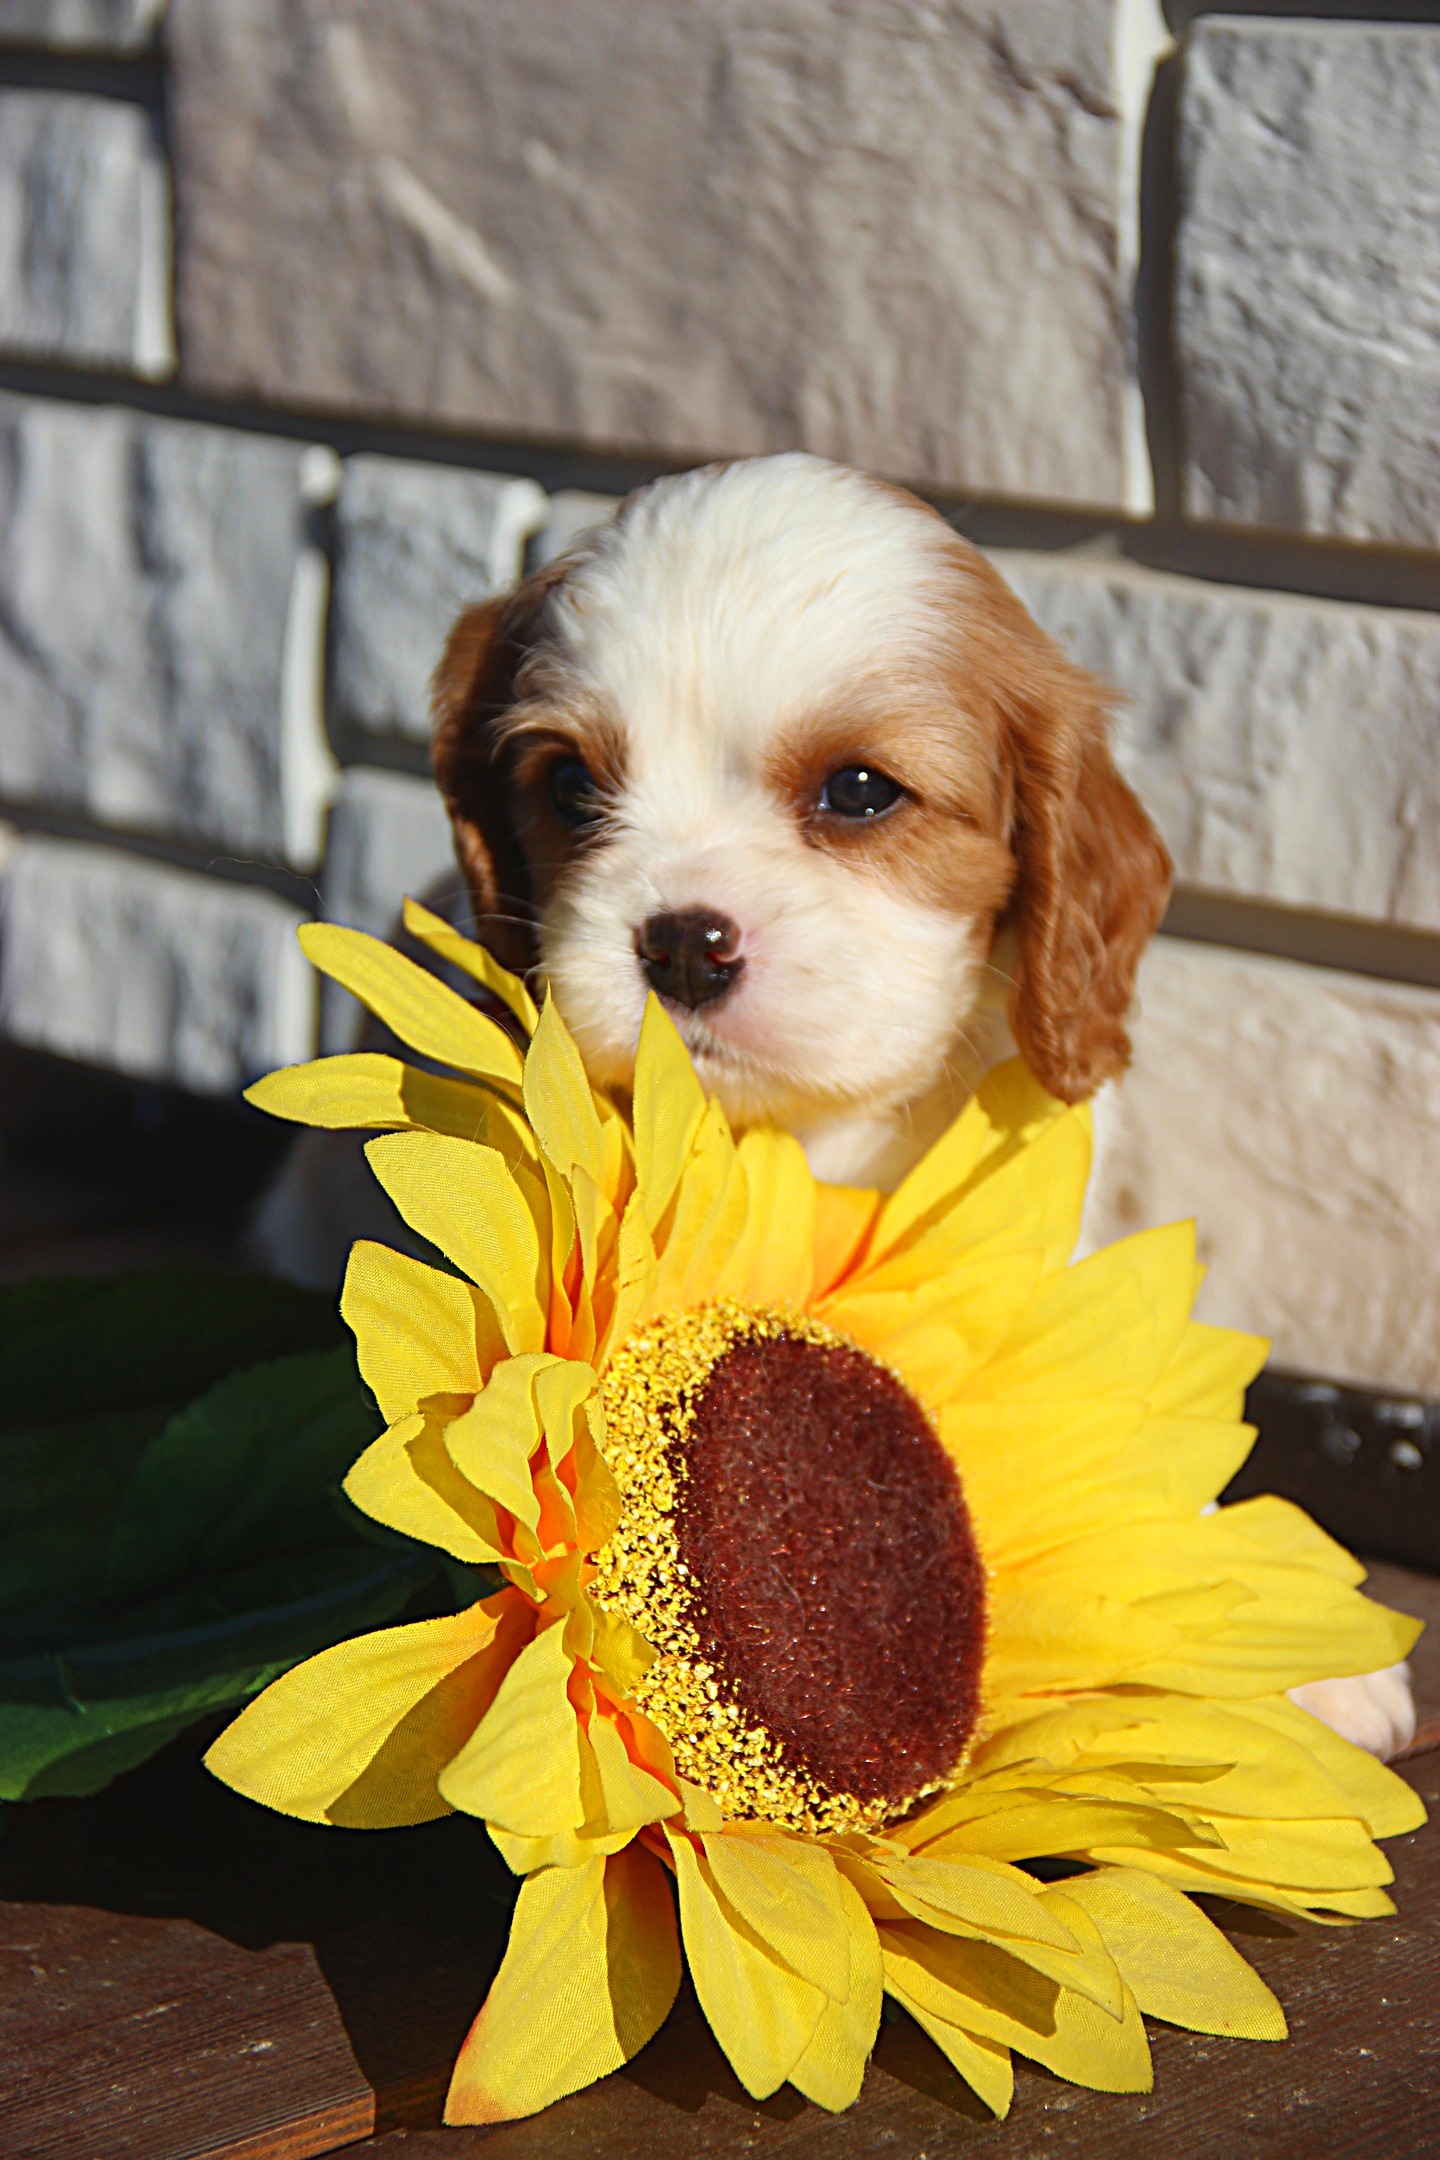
(690, 957)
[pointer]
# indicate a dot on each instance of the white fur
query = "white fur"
(1374, 1710)
(725, 608)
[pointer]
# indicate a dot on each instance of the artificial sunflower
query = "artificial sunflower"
(858, 1602)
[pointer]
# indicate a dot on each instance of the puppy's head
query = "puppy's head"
(780, 745)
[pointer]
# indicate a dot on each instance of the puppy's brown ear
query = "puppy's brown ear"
(473, 686)
(1091, 885)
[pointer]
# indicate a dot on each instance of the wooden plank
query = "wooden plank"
(127, 2039)
(1359, 2079)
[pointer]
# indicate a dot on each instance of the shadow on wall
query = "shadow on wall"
(99, 1173)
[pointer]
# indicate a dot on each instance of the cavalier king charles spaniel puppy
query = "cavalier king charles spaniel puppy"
(781, 746)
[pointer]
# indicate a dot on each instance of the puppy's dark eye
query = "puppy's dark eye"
(859, 791)
(574, 797)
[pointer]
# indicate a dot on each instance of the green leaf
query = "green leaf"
(90, 1371)
(61, 1488)
(245, 1469)
(172, 1535)
(69, 1722)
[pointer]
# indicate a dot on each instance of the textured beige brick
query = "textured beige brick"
(148, 970)
(414, 544)
(84, 233)
(573, 512)
(1308, 277)
(1296, 1114)
(86, 25)
(900, 235)
(147, 573)
(1288, 749)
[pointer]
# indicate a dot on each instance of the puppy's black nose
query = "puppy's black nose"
(692, 956)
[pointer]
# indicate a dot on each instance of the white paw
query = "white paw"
(1375, 1709)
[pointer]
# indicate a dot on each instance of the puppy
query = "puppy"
(781, 746)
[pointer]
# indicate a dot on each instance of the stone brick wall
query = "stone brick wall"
(319, 318)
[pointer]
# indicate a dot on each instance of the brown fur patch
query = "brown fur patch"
(1092, 875)
(541, 734)
(944, 843)
(476, 684)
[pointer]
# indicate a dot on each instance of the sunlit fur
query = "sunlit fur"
(738, 632)
(725, 612)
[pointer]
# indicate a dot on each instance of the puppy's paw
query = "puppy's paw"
(1376, 1710)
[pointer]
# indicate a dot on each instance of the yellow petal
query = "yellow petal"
(407, 1480)
(788, 1893)
(1033, 1199)
(1271, 1769)
(491, 1443)
(1307, 1861)
(844, 1217)
(1063, 1824)
(591, 1970)
(522, 1767)
(708, 1217)
(984, 2064)
(1185, 1462)
(617, 1796)
(1209, 1372)
(832, 2068)
(1327, 1855)
(631, 1796)
(1019, 1461)
(936, 1337)
(366, 1091)
(1175, 1962)
(558, 1101)
(620, 1652)
(635, 1272)
(1060, 1958)
(1384, 1802)
(1088, 2046)
(474, 1209)
(1063, 1638)
(465, 953)
(561, 1849)
(1283, 1531)
(359, 1734)
(975, 1985)
(771, 1261)
(669, 1104)
(417, 1331)
(563, 1388)
(1007, 1109)
(763, 2015)
(597, 1496)
(413, 1004)
(1107, 1326)
(989, 1899)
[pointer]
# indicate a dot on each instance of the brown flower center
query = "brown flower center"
(840, 1585)
(796, 1546)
